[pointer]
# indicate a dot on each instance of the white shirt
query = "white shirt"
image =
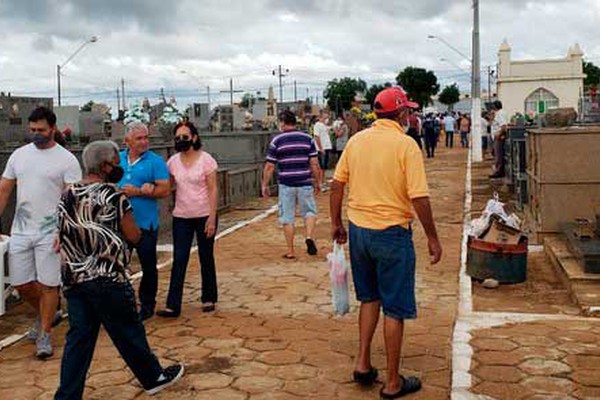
(500, 119)
(449, 123)
(41, 178)
(322, 132)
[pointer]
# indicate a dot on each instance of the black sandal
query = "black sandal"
(409, 385)
(366, 378)
(209, 308)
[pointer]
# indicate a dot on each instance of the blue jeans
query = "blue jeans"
(146, 251)
(112, 305)
(184, 230)
(289, 197)
(383, 268)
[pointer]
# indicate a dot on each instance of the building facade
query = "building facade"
(535, 86)
(14, 112)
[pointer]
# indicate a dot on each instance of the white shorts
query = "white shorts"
(32, 258)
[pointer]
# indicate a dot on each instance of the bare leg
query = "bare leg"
(367, 323)
(310, 224)
(288, 232)
(48, 304)
(31, 294)
(393, 330)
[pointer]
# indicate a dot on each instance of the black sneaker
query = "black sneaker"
(146, 314)
(169, 376)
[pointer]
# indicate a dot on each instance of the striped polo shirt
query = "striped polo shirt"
(291, 152)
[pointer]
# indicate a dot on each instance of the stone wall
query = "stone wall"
(240, 157)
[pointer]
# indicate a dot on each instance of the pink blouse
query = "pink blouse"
(191, 198)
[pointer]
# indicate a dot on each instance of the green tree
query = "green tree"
(419, 84)
(87, 106)
(340, 92)
(248, 100)
(373, 91)
(593, 74)
(450, 95)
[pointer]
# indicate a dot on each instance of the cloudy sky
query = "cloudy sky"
(149, 42)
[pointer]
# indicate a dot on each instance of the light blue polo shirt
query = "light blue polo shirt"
(149, 168)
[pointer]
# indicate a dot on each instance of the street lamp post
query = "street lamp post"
(477, 151)
(59, 67)
(280, 74)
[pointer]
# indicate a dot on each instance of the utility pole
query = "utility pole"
(208, 93)
(477, 154)
(489, 72)
(118, 100)
(58, 83)
(123, 94)
(280, 74)
(295, 92)
(231, 91)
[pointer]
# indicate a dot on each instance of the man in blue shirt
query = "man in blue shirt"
(145, 180)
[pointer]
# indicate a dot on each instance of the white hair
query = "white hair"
(134, 127)
(97, 153)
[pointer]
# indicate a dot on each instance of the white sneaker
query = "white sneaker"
(32, 335)
(44, 346)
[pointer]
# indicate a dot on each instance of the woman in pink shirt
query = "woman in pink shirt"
(194, 179)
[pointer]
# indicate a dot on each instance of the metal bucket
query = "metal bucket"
(506, 263)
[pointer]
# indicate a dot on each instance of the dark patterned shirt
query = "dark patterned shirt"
(89, 223)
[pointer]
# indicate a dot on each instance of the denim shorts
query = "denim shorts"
(289, 197)
(383, 268)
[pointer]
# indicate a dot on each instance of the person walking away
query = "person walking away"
(449, 125)
(465, 128)
(499, 125)
(323, 142)
(95, 224)
(194, 179)
(146, 180)
(384, 170)
(414, 127)
(40, 171)
(294, 154)
(341, 135)
(430, 136)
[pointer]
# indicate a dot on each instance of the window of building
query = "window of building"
(540, 101)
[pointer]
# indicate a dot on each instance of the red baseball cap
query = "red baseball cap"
(392, 99)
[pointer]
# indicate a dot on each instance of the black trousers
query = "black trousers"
(430, 143)
(112, 305)
(146, 251)
(184, 230)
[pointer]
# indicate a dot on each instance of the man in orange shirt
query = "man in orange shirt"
(384, 170)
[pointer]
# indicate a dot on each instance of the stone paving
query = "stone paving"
(274, 336)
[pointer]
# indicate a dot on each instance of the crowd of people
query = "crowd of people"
(76, 229)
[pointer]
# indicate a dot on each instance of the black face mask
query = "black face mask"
(183, 145)
(40, 140)
(115, 175)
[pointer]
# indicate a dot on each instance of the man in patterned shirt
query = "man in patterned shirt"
(96, 223)
(295, 155)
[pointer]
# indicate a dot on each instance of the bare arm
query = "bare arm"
(266, 178)
(318, 143)
(335, 207)
(157, 190)
(6, 188)
(129, 229)
(213, 200)
(422, 207)
(315, 169)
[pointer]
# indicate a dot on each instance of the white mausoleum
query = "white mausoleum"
(538, 85)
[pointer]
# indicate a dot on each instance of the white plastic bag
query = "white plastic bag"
(338, 273)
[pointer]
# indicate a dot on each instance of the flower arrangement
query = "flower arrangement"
(136, 114)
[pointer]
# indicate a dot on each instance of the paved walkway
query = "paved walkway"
(274, 336)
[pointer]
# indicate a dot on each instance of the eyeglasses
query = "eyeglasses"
(182, 138)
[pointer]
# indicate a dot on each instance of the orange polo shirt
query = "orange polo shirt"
(384, 170)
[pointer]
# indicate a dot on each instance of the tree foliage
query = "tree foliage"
(341, 92)
(593, 74)
(450, 95)
(248, 100)
(419, 84)
(373, 91)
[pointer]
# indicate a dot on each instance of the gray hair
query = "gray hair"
(134, 127)
(97, 153)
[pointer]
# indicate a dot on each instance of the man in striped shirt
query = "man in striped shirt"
(295, 155)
